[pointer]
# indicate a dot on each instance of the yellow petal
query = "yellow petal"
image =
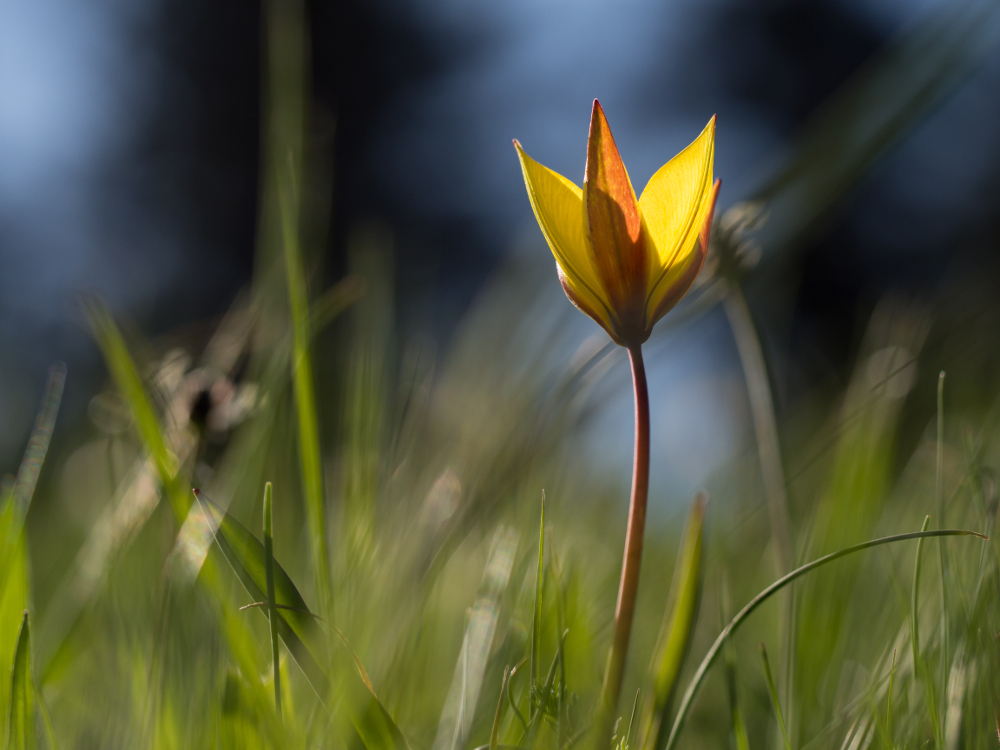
(558, 207)
(673, 206)
(679, 277)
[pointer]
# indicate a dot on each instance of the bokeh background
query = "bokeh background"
(130, 150)
(859, 156)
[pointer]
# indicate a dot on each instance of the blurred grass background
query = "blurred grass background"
(408, 474)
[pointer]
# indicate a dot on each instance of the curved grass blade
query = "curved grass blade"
(21, 729)
(300, 629)
(764, 595)
(678, 625)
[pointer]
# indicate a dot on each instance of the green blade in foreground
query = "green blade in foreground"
(126, 376)
(678, 626)
(272, 605)
(536, 613)
(21, 729)
(764, 595)
(310, 455)
(14, 508)
(300, 630)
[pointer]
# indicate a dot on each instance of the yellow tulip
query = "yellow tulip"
(623, 261)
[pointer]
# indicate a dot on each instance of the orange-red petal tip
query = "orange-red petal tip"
(707, 226)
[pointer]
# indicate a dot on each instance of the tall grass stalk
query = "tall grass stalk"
(942, 520)
(305, 393)
(775, 700)
(888, 701)
(272, 606)
(772, 471)
(920, 670)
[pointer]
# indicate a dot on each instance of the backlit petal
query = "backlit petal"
(614, 225)
(558, 207)
(673, 206)
(679, 277)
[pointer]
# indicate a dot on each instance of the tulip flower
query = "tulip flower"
(623, 261)
(626, 262)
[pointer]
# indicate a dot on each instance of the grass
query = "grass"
(474, 620)
(395, 547)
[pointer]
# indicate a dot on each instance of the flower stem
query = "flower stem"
(625, 608)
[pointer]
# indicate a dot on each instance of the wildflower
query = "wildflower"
(622, 261)
(625, 263)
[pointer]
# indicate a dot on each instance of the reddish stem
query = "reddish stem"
(625, 608)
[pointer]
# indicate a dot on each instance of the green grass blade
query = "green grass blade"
(678, 624)
(775, 703)
(297, 626)
(38, 444)
(13, 602)
(21, 726)
(495, 732)
(305, 394)
(126, 376)
(766, 594)
(914, 601)
(919, 667)
(272, 608)
(15, 506)
(888, 702)
(300, 629)
(536, 612)
(942, 550)
(742, 741)
(334, 301)
(631, 721)
(50, 731)
(544, 695)
(510, 695)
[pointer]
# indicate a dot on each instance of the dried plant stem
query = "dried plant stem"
(625, 608)
(769, 450)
